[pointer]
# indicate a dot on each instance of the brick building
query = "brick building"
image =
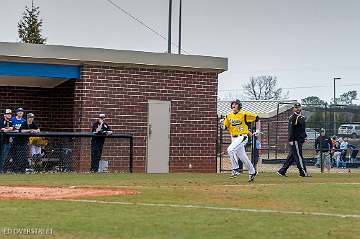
(168, 102)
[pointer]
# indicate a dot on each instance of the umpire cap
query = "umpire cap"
(297, 105)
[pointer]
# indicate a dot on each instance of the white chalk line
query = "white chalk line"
(220, 185)
(357, 216)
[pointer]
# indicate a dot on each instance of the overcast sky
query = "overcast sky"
(304, 43)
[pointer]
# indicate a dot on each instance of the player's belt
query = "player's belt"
(234, 136)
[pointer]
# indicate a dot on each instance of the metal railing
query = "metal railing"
(65, 152)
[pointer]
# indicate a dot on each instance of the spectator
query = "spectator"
(323, 146)
(99, 128)
(353, 152)
(342, 149)
(31, 127)
(18, 120)
(20, 144)
(336, 153)
(257, 150)
(5, 126)
(333, 150)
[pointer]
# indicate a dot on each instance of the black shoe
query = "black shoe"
(252, 176)
(280, 174)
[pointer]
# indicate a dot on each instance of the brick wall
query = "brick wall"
(53, 108)
(276, 131)
(123, 93)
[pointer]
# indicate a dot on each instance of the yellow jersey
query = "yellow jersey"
(236, 122)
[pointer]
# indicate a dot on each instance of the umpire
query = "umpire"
(100, 129)
(297, 137)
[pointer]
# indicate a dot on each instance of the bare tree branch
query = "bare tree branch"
(263, 88)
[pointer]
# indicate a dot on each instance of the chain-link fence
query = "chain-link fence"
(65, 152)
(341, 124)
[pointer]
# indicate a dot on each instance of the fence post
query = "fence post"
(268, 139)
(131, 153)
(217, 143)
(220, 147)
(253, 145)
(2, 158)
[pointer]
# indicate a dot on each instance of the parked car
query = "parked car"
(350, 130)
(311, 134)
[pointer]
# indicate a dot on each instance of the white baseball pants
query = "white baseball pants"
(236, 151)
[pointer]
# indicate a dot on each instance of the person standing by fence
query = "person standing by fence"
(323, 146)
(18, 119)
(20, 145)
(5, 126)
(297, 137)
(99, 128)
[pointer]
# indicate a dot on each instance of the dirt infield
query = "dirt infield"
(43, 192)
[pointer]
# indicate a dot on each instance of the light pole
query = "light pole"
(335, 78)
(180, 19)
(169, 33)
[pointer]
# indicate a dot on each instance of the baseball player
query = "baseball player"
(297, 136)
(236, 122)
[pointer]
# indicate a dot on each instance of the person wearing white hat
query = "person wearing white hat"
(99, 128)
(5, 126)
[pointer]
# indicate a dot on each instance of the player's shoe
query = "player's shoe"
(234, 174)
(252, 176)
(280, 174)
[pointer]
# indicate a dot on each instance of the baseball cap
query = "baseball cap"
(102, 115)
(8, 111)
(19, 110)
(30, 115)
(297, 105)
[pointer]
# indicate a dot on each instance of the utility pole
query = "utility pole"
(169, 32)
(180, 18)
(335, 78)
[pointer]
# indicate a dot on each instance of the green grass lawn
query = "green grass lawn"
(322, 193)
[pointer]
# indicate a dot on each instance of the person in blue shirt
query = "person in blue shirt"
(18, 119)
(18, 149)
(323, 146)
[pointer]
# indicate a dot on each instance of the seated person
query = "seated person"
(353, 152)
(340, 159)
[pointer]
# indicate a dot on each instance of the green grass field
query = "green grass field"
(271, 207)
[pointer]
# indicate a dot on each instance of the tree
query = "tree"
(29, 27)
(263, 88)
(313, 100)
(347, 98)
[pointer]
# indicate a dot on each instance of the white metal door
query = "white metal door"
(158, 146)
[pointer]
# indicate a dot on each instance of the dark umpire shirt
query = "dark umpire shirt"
(4, 124)
(104, 128)
(296, 128)
(323, 143)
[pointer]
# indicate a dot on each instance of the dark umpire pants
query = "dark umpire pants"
(295, 154)
(97, 144)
